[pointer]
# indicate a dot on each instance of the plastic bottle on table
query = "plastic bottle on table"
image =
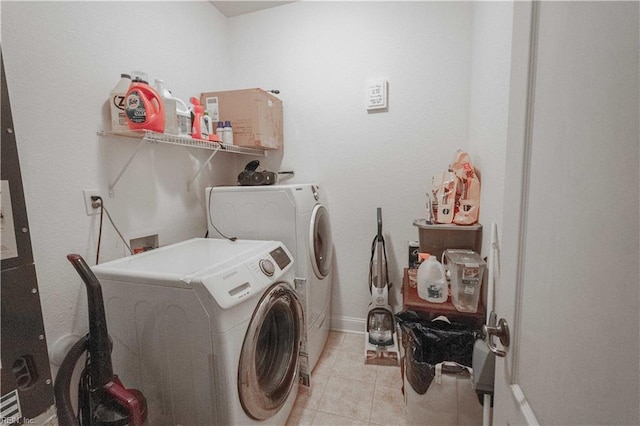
(432, 282)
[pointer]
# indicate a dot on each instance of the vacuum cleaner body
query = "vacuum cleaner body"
(102, 398)
(381, 339)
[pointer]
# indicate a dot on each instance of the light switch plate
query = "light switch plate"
(376, 94)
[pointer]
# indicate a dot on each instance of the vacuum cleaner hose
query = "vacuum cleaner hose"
(62, 385)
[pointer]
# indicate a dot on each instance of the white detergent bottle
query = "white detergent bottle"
(432, 282)
(170, 108)
(117, 106)
(184, 117)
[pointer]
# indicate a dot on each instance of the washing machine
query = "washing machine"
(209, 330)
(298, 216)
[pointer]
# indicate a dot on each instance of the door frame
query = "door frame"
(511, 402)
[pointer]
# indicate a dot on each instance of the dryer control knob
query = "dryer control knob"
(267, 267)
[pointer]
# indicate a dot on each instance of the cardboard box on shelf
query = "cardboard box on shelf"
(255, 116)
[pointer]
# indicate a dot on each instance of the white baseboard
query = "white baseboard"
(348, 324)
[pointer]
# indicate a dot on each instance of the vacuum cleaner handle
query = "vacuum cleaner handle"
(379, 236)
(99, 347)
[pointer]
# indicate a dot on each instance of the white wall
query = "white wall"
(320, 54)
(488, 111)
(62, 60)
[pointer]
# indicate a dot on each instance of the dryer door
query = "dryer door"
(321, 243)
(269, 359)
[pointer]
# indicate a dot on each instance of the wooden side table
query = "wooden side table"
(411, 301)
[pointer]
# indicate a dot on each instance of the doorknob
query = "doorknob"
(501, 331)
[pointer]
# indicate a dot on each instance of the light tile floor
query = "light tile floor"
(345, 391)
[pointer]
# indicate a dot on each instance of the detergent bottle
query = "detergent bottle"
(170, 108)
(117, 98)
(184, 117)
(144, 107)
(197, 111)
(177, 115)
(432, 281)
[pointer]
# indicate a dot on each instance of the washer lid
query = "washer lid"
(172, 263)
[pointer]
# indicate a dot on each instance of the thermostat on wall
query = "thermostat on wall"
(376, 94)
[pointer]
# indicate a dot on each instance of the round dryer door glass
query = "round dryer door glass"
(269, 359)
(321, 242)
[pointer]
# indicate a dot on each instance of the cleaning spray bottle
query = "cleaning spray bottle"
(143, 106)
(205, 126)
(432, 281)
(197, 111)
(212, 135)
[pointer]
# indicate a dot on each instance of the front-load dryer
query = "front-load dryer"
(297, 215)
(209, 330)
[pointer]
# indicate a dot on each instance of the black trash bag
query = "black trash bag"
(428, 343)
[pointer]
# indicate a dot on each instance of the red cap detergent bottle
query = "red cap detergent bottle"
(144, 107)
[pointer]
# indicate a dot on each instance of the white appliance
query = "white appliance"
(209, 330)
(297, 215)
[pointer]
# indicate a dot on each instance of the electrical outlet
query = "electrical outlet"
(89, 203)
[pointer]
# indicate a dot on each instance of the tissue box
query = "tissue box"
(255, 116)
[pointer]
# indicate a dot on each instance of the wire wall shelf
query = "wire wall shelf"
(187, 141)
(148, 136)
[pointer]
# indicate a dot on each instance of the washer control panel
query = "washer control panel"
(231, 285)
(281, 257)
(278, 255)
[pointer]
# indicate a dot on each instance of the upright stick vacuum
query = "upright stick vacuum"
(102, 398)
(381, 340)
